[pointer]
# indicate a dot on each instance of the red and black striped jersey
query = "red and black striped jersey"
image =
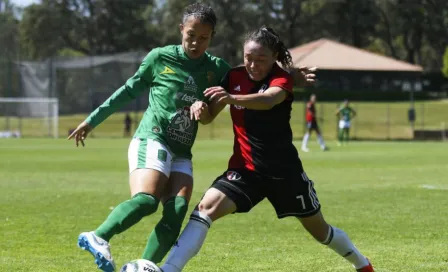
(263, 138)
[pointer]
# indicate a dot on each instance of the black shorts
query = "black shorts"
(312, 125)
(290, 196)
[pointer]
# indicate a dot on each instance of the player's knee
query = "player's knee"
(174, 211)
(207, 207)
(145, 204)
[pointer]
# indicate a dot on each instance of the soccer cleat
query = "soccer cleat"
(99, 248)
(368, 268)
(325, 148)
(305, 149)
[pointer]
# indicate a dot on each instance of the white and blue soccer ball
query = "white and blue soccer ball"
(140, 265)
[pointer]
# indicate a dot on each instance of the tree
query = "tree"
(445, 63)
(9, 48)
(87, 26)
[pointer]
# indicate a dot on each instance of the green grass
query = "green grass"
(374, 121)
(52, 191)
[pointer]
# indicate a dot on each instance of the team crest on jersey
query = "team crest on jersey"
(181, 127)
(232, 175)
(263, 88)
(190, 85)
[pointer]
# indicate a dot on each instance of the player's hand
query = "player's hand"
(218, 94)
(80, 133)
(198, 110)
(305, 76)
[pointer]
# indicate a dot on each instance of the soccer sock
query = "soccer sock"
(305, 140)
(339, 242)
(347, 134)
(341, 135)
(321, 141)
(167, 230)
(127, 214)
(189, 243)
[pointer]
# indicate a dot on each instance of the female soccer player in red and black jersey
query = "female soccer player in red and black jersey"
(265, 163)
(311, 124)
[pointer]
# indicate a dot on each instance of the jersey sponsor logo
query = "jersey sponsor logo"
(187, 98)
(232, 175)
(181, 127)
(190, 85)
(263, 88)
(237, 88)
(167, 71)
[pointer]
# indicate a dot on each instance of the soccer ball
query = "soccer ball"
(140, 265)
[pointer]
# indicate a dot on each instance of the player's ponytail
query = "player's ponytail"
(266, 36)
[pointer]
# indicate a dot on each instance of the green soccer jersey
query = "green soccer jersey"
(174, 82)
(346, 113)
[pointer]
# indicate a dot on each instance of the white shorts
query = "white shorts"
(147, 153)
(344, 124)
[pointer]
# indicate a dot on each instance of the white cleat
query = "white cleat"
(99, 248)
(305, 149)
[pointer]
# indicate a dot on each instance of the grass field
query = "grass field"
(391, 199)
(374, 121)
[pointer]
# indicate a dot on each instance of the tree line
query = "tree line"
(415, 31)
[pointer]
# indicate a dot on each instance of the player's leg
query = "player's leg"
(336, 239)
(306, 137)
(229, 193)
(314, 222)
(320, 139)
(347, 134)
(341, 132)
(149, 164)
(175, 205)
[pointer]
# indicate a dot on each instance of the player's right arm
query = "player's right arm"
(338, 111)
(133, 87)
(206, 112)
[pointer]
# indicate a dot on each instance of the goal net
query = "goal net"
(29, 117)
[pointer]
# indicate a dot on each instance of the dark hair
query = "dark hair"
(267, 37)
(202, 12)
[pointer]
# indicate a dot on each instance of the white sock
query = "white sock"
(305, 140)
(321, 141)
(339, 242)
(189, 242)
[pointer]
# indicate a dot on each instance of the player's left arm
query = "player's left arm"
(279, 89)
(353, 112)
(209, 109)
(258, 101)
(261, 101)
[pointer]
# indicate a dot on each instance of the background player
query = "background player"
(345, 114)
(311, 124)
(265, 163)
(160, 164)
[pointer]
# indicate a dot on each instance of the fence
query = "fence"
(80, 84)
(374, 121)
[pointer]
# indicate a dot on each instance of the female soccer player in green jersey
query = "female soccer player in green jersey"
(159, 154)
(345, 114)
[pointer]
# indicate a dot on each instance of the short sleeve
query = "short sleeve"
(284, 81)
